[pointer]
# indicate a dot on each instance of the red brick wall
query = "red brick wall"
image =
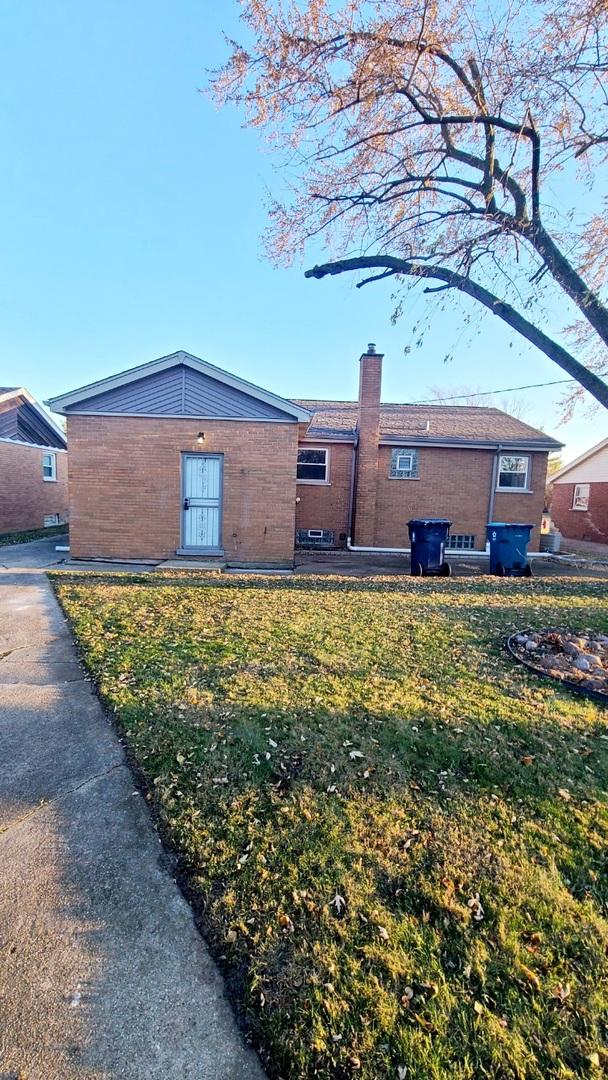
(25, 498)
(510, 506)
(453, 483)
(125, 486)
(324, 506)
(590, 524)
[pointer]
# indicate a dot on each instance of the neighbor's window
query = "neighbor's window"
(580, 499)
(513, 472)
(313, 466)
(404, 465)
(49, 466)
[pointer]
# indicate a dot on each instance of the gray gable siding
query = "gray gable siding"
(24, 424)
(179, 391)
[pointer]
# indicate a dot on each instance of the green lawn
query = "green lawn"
(397, 836)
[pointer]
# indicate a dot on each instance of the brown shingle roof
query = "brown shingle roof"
(446, 423)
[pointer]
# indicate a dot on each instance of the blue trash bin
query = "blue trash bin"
(428, 539)
(509, 548)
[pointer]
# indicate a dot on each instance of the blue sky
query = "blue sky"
(132, 214)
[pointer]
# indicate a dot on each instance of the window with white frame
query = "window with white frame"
(49, 466)
(313, 465)
(50, 520)
(580, 497)
(404, 464)
(513, 470)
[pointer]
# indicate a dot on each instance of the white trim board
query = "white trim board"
(34, 446)
(186, 417)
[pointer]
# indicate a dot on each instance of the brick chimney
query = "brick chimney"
(368, 426)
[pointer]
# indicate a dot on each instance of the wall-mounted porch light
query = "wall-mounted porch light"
(200, 438)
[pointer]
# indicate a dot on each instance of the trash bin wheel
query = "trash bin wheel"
(527, 570)
(499, 570)
(416, 569)
(445, 569)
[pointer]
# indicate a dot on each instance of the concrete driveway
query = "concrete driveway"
(102, 971)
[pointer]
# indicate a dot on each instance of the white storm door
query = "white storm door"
(202, 502)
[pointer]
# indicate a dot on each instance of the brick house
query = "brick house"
(579, 496)
(180, 457)
(33, 464)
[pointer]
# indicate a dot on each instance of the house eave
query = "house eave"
(34, 446)
(194, 418)
(21, 391)
(578, 461)
(471, 444)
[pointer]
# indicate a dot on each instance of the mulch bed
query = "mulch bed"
(579, 660)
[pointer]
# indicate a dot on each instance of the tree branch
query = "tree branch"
(596, 386)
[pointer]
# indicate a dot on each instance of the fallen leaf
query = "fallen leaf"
(531, 976)
(562, 991)
(338, 902)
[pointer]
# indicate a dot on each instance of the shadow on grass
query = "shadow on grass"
(291, 764)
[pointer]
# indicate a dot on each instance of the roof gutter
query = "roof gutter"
(493, 479)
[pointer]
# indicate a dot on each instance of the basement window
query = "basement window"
(461, 542)
(313, 465)
(50, 520)
(580, 497)
(404, 465)
(513, 472)
(315, 538)
(49, 466)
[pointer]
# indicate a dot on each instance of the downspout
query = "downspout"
(351, 494)
(349, 544)
(499, 449)
(351, 506)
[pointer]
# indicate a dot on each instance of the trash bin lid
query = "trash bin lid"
(509, 525)
(429, 521)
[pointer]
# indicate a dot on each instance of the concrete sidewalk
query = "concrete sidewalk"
(102, 971)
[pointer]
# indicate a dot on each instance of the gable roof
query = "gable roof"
(579, 460)
(178, 385)
(428, 424)
(23, 420)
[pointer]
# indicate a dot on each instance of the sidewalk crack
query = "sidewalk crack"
(44, 803)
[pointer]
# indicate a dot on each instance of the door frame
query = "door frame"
(183, 550)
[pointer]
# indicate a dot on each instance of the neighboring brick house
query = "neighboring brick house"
(180, 457)
(579, 496)
(33, 464)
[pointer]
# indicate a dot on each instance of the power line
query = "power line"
(490, 393)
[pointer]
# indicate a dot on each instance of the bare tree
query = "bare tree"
(474, 395)
(434, 141)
